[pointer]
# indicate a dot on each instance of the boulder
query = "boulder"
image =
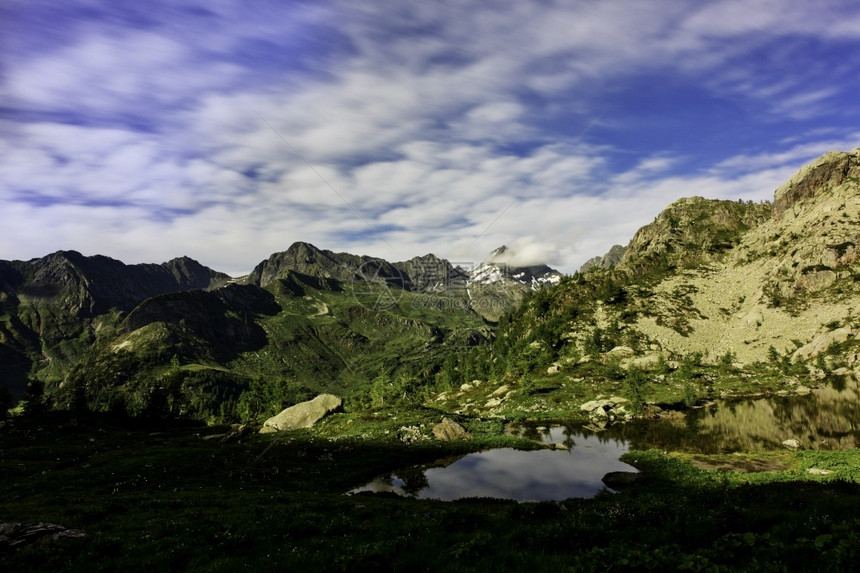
(303, 415)
(647, 363)
(821, 343)
(448, 430)
(754, 319)
(620, 480)
(791, 444)
(595, 405)
(620, 352)
(603, 404)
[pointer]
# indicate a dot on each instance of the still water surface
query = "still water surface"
(506, 473)
(827, 418)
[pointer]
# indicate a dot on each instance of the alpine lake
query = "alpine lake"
(578, 456)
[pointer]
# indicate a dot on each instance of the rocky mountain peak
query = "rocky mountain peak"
(691, 229)
(498, 254)
(430, 273)
(503, 264)
(308, 260)
(190, 274)
(828, 172)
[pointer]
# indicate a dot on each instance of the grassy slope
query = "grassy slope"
(157, 497)
(310, 341)
(332, 341)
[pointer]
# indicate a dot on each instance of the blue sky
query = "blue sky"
(228, 130)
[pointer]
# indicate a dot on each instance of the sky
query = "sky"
(227, 130)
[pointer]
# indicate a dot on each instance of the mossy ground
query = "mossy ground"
(160, 497)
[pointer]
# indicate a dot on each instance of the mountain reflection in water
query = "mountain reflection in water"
(826, 419)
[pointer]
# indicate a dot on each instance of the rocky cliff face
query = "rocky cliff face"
(825, 175)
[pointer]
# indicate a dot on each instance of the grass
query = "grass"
(162, 497)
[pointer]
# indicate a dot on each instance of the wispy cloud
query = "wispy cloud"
(149, 133)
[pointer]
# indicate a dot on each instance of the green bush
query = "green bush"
(634, 387)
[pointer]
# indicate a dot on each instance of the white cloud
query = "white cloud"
(453, 141)
(790, 158)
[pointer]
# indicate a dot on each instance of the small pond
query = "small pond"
(538, 475)
(827, 418)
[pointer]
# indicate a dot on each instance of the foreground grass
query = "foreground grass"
(161, 497)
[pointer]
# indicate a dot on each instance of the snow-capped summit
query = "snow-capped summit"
(503, 264)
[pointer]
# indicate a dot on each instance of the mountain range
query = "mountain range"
(706, 276)
(65, 311)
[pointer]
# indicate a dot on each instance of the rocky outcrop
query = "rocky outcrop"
(691, 229)
(607, 261)
(303, 415)
(822, 342)
(605, 410)
(828, 171)
(18, 535)
(448, 430)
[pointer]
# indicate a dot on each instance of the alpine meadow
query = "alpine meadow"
(448, 286)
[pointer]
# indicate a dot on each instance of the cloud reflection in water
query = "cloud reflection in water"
(506, 473)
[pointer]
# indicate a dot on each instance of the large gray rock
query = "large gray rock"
(620, 352)
(303, 415)
(620, 480)
(448, 430)
(822, 342)
(646, 363)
